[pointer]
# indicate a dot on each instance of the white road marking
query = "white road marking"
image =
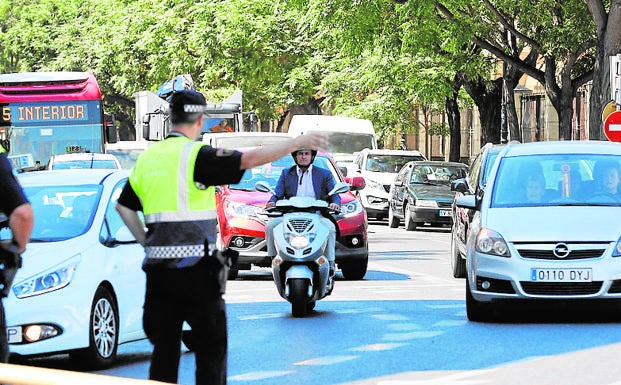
(410, 336)
(327, 360)
(253, 376)
(377, 347)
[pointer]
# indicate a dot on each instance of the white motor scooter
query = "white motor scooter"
(301, 268)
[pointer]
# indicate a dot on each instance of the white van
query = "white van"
(346, 135)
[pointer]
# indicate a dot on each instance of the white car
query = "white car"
(81, 287)
(546, 227)
(83, 160)
(379, 169)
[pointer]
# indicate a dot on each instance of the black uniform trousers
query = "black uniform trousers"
(189, 294)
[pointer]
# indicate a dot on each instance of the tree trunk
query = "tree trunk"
(608, 27)
(454, 122)
(487, 97)
(600, 94)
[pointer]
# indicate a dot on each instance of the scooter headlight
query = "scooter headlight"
(298, 241)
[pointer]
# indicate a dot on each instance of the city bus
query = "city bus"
(51, 113)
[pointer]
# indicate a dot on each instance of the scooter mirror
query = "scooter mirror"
(262, 186)
(339, 188)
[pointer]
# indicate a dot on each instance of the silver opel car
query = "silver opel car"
(548, 226)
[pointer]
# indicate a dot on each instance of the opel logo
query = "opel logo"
(561, 250)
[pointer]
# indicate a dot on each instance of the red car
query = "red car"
(242, 219)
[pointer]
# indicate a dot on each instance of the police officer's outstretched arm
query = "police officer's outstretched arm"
(266, 154)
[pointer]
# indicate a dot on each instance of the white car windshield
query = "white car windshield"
(61, 212)
(558, 179)
(389, 163)
(94, 163)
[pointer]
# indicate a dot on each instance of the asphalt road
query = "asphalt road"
(405, 323)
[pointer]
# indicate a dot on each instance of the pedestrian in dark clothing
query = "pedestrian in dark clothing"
(18, 216)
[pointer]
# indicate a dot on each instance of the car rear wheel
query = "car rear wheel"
(410, 225)
(475, 310)
(354, 270)
(103, 333)
(458, 264)
(393, 221)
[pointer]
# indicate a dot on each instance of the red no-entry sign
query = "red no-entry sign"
(612, 126)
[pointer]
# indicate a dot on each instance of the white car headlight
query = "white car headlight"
(241, 210)
(351, 209)
(373, 184)
(426, 203)
(490, 242)
(50, 280)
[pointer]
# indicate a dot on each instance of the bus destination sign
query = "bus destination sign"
(40, 113)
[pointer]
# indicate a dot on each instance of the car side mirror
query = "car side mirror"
(466, 202)
(459, 185)
(356, 182)
(122, 237)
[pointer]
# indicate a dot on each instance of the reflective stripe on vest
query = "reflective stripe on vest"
(179, 221)
(160, 252)
(187, 204)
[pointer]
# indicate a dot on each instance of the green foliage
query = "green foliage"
(374, 59)
(440, 129)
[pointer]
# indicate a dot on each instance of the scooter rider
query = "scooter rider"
(305, 180)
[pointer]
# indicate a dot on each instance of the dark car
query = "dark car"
(473, 183)
(242, 219)
(421, 193)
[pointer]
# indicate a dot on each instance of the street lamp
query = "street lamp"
(522, 92)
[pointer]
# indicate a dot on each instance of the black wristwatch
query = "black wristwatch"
(13, 247)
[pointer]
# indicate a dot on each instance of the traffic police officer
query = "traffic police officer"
(173, 183)
(19, 218)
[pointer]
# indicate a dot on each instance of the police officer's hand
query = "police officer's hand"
(269, 205)
(335, 207)
(314, 140)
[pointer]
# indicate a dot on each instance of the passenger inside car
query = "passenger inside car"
(607, 175)
(82, 208)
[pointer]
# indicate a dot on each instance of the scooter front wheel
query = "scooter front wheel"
(298, 297)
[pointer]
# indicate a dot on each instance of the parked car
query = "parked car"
(242, 219)
(473, 183)
(421, 193)
(379, 169)
(243, 139)
(83, 160)
(81, 288)
(545, 228)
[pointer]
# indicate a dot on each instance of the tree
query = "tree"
(608, 35)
